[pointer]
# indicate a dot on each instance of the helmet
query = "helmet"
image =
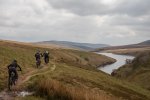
(14, 61)
(46, 51)
(38, 51)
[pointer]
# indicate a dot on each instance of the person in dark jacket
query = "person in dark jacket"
(46, 57)
(38, 55)
(13, 68)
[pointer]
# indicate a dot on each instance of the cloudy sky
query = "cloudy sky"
(114, 22)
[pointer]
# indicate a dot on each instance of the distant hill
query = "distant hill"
(138, 45)
(73, 45)
(145, 43)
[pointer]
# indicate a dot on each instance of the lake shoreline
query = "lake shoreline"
(120, 61)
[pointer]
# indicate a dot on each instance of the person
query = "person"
(38, 56)
(46, 57)
(13, 68)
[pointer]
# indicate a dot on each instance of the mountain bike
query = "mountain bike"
(46, 60)
(12, 80)
(38, 63)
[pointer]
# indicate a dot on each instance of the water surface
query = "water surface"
(120, 61)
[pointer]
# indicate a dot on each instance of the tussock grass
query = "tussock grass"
(24, 54)
(75, 75)
(138, 72)
(55, 90)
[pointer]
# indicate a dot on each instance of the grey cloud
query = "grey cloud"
(134, 7)
(129, 20)
(75, 20)
(139, 25)
(80, 7)
(96, 7)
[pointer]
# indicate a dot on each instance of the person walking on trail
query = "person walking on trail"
(38, 55)
(13, 68)
(46, 57)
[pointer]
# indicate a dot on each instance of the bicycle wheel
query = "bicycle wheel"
(11, 81)
(47, 60)
(38, 63)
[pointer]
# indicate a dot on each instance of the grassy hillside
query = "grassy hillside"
(80, 83)
(24, 53)
(125, 47)
(74, 76)
(137, 72)
(130, 51)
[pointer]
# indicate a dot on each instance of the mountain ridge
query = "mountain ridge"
(145, 43)
(138, 45)
(73, 45)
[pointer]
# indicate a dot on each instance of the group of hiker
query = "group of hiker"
(39, 55)
(12, 68)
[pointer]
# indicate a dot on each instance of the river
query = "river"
(120, 61)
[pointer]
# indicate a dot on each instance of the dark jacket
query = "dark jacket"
(13, 66)
(46, 55)
(38, 56)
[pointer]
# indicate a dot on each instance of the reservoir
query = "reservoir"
(120, 61)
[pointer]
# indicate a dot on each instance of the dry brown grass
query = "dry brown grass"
(24, 54)
(68, 63)
(52, 89)
(129, 51)
(52, 46)
(138, 71)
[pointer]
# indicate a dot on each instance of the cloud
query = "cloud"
(103, 7)
(95, 21)
(80, 7)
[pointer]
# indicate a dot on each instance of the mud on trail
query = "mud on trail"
(11, 95)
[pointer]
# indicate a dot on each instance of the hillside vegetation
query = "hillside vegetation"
(137, 72)
(130, 51)
(71, 75)
(24, 54)
(133, 49)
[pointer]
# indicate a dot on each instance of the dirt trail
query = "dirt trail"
(10, 95)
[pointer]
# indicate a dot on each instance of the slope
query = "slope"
(75, 75)
(145, 43)
(137, 72)
(127, 49)
(24, 53)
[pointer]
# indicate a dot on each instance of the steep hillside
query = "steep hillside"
(24, 53)
(137, 72)
(73, 45)
(124, 49)
(71, 75)
(129, 51)
(145, 43)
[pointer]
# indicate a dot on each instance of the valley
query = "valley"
(75, 76)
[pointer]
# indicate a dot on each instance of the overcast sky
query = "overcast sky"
(114, 22)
